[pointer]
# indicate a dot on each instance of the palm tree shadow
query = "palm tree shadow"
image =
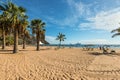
(24, 50)
(98, 54)
(42, 49)
(46, 49)
(6, 51)
(95, 53)
(118, 54)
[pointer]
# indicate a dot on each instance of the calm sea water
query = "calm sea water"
(85, 45)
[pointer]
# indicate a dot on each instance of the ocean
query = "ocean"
(86, 45)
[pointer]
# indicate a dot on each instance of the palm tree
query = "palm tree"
(61, 37)
(2, 27)
(4, 22)
(5, 6)
(25, 35)
(23, 29)
(9, 40)
(42, 35)
(116, 30)
(37, 27)
(17, 13)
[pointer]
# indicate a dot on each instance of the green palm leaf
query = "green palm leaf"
(115, 35)
(117, 32)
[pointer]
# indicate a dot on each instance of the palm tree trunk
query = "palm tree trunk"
(15, 50)
(24, 42)
(3, 41)
(37, 36)
(60, 44)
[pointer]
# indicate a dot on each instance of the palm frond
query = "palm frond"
(118, 30)
(22, 9)
(115, 35)
(113, 30)
(2, 8)
(61, 37)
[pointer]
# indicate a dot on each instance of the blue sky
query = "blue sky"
(83, 21)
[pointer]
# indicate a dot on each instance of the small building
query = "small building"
(40, 43)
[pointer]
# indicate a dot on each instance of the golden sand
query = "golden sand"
(58, 64)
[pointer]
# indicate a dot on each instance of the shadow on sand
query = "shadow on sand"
(6, 51)
(46, 49)
(10, 51)
(95, 53)
(98, 54)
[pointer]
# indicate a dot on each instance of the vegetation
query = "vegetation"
(38, 29)
(9, 40)
(117, 32)
(4, 27)
(61, 37)
(14, 26)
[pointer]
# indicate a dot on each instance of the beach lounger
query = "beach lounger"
(112, 51)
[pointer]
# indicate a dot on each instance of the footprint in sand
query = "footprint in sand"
(105, 66)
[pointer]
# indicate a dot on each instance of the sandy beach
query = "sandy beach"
(59, 40)
(61, 64)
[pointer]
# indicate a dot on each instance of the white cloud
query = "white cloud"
(76, 11)
(105, 20)
(79, 8)
(97, 17)
(94, 41)
(100, 41)
(51, 39)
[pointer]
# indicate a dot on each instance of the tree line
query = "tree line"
(14, 25)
